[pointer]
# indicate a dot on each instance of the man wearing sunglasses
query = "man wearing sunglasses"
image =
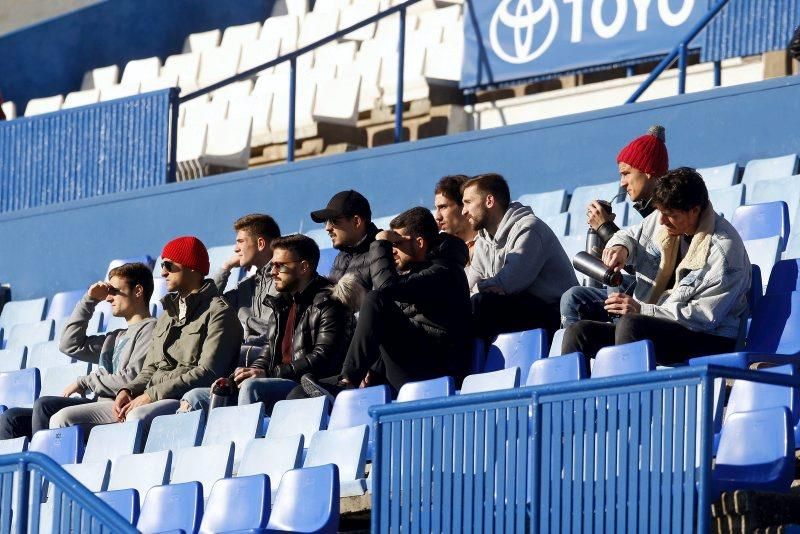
(119, 354)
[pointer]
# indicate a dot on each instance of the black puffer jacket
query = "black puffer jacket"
(608, 229)
(355, 259)
(323, 328)
(794, 45)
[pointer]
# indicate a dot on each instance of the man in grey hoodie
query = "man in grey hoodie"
(519, 269)
(119, 353)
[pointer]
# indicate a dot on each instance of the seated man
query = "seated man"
(519, 269)
(254, 234)
(309, 328)
(120, 353)
(195, 342)
(448, 210)
(640, 163)
(692, 278)
(415, 324)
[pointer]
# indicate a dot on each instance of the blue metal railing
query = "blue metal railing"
(624, 454)
(24, 478)
(291, 57)
(681, 52)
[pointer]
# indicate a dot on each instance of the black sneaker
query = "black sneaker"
(312, 388)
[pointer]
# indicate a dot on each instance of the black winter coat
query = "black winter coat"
(794, 45)
(608, 229)
(323, 329)
(355, 260)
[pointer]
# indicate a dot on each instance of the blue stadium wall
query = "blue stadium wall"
(51, 57)
(66, 246)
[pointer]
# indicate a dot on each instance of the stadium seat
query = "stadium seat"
(258, 52)
(228, 144)
(56, 378)
(184, 66)
(756, 464)
(727, 199)
(560, 369)
(517, 349)
(13, 359)
(354, 13)
(785, 277)
(109, 442)
(93, 475)
(301, 416)
(239, 505)
(22, 311)
(176, 431)
(572, 244)
(317, 25)
(63, 304)
(241, 34)
(285, 28)
(217, 64)
(478, 361)
(415, 86)
(115, 92)
(176, 507)
(233, 91)
(238, 424)
(767, 168)
(9, 109)
(201, 41)
(258, 108)
(719, 176)
(347, 449)
(272, 457)
(304, 108)
(558, 223)
(426, 389)
(326, 257)
(19, 388)
(307, 501)
(582, 196)
(12, 445)
(368, 67)
(786, 189)
(45, 354)
(205, 464)
(636, 357)
(762, 220)
(351, 408)
(123, 501)
(200, 112)
(145, 259)
(63, 445)
(764, 253)
(140, 71)
(493, 381)
(81, 98)
(140, 471)
(100, 78)
(216, 257)
(546, 204)
(336, 100)
(555, 344)
(40, 106)
(442, 63)
(30, 334)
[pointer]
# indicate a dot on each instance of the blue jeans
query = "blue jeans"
(583, 303)
(266, 390)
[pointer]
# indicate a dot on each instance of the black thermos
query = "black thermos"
(595, 269)
(222, 394)
(594, 244)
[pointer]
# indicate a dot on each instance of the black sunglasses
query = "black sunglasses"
(169, 266)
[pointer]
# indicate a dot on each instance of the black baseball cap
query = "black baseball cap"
(347, 203)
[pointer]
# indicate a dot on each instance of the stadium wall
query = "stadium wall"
(51, 57)
(66, 246)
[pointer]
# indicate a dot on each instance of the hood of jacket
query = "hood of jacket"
(513, 215)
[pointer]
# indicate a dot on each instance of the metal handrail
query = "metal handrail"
(66, 483)
(292, 56)
(680, 51)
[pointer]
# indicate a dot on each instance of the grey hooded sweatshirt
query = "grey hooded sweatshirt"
(523, 256)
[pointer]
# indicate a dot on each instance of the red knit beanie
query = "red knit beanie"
(647, 153)
(189, 252)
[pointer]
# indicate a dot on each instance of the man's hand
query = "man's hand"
(622, 304)
(392, 236)
(141, 400)
(596, 216)
(230, 263)
(493, 289)
(72, 389)
(369, 378)
(615, 257)
(122, 400)
(98, 291)
(243, 373)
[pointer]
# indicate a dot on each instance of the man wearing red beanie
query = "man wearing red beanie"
(640, 163)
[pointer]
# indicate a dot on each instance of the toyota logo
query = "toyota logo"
(523, 22)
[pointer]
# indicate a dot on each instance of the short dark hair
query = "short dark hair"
(418, 222)
(680, 189)
(258, 225)
(301, 246)
(491, 184)
(135, 274)
(450, 187)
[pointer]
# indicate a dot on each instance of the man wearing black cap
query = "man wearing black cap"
(347, 220)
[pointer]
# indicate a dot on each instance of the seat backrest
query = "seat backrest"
(558, 369)
(764, 252)
(93, 475)
(719, 176)
(558, 223)
(307, 501)
(174, 507)
(555, 345)
(247, 497)
(31, 334)
(636, 357)
(736, 443)
(205, 464)
(303, 416)
(493, 381)
(546, 204)
(13, 359)
(20, 388)
(12, 445)
(777, 167)
(109, 442)
(747, 396)
(62, 304)
(45, 354)
(123, 501)
(775, 327)
(517, 349)
(727, 199)
(55, 379)
(272, 457)
(346, 447)
(581, 197)
(757, 221)
(426, 389)
(175, 431)
(63, 445)
(785, 277)
(351, 407)
(197, 42)
(326, 257)
(572, 244)
(146, 259)
(238, 424)
(141, 70)
(786, 189)
(140, 471)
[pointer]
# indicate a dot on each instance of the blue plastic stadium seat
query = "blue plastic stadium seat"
(22, 311)
(63, 445)
(785, 277)
(426, 389)
(719, 176)
(352, 409)
(572, 244)
(176, 507)
(347, 448)
(767, 168)
(555, 345)
(205, 464)
(786, 189)
(115, 323)
(216, 257)
(140, 471)
(93, 475)
(125, 502)
(793, 246)
(581, 197)
(176, 431)
(242, 504)
(727, 199)
(13, 359)
(307, 501)
(146, 259)
(62, 304)
(19, 388)
(46, 354)
(636, 357)
(326, 257)
(109, 442)
(478, 360)
(764, 253)
(757, 464)
(517, 349)
(762, 220)
(272, 457)
(496, 380)
(322, 239)
(383, 222)
(55, 379)
(30, 334)
(546, 204)
(558, 369)
(301, 416)
(238, 424)
(558, 223)
(12, 445)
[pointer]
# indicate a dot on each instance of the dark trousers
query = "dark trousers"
(18, 422)
(494, 314)
(673, 343)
